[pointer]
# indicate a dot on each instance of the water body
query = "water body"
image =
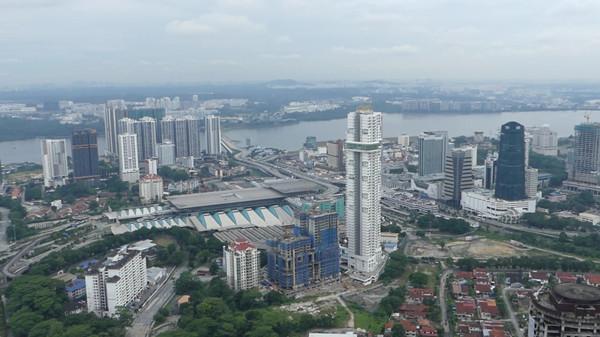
(30, 150)
(292, 136)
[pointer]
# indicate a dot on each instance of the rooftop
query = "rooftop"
(577, 292)
(223, 199)
(292, 186)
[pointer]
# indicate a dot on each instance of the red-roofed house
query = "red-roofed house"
(427, 331)
(538, 276)
(410, 329)
(413, 311)
(488, 309)
(592, 279)
(418, 295)
(460, 289)
(469, 328)
(463, 275)
(466, 309)
(565, 277)
(483, 289)
(480, 273)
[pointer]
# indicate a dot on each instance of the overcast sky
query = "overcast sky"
(170, 41)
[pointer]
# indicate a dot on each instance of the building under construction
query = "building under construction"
(305, 256)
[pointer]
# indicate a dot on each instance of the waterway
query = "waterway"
(292, 136)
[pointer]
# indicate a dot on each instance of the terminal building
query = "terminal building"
(483, 203)
(568, 309)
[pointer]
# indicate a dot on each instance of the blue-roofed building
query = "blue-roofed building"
(75, 289)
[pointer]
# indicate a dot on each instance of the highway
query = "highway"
(6, 270)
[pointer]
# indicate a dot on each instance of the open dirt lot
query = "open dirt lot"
(480, 248)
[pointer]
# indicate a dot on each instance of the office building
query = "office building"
(241, 262)
(543, 140)
(458, 175)
(128, 158)
(335, 155)
(113, 112)
(84, 149)
(184, 133)
(54, 162)
(567, 309)
(116, 282)
(491, 167)
(290, 259)
(212, 129)
(432, 147)
(310, 143)
(323, 227)
(473, 149)
(531, 182)
(363, 194)
(166, 153)
(510, 176)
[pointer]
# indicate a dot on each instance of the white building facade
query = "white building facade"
(128, 158)
(151, 189)
(116, 283)
(544, 140)
(212, 125)
(166, 153)
(482, 203)
(241, 261)
(54, 162)
(363, 194)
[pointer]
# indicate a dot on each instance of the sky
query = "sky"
(198, 41)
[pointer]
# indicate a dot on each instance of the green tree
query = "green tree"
(22, 321)
(49, 328)
(398, 331)
(418, 279)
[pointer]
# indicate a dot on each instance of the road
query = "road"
(4, 223)
(6, 270)
(142, 324)
(442, 299)
(511, 313)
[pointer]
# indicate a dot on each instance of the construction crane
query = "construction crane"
(587, 116)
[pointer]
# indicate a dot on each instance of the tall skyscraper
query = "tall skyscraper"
(113, 112)
(363, 193)
(491, 167)
(510, 177)
(145, 129)
(531, 182)
(84, 148)
(128, 158)
(458, 175)
(335, 155)
(184, 133)
(323, 227)
(544, 141)
(212, 129)
(432, 147)
(586, 154)
(54, 162)
(241, 261)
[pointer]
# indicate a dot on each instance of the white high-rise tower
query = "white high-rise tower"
(212, 125)
(363, 194)
(128, 158)
(54, 162)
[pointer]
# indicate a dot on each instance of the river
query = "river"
(292, 136)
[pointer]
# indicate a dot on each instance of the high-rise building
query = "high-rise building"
(116, 282)
(128, 158)
(212, 129)
(290, 260)
(510, 176)
(458, 175)
(241, 262)
(54, 162)
(491, 167)
(544, 141)
(184, 133)
(145, 129)
(166, 153)
(151, 189)
(586, 154)
(565, 310)
(84, 149)
(113, 112)
(335, 155)
(323, 227)
(404, 140)
(363, 194)
(432, 147)
(531, 182)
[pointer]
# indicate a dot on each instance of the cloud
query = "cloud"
(398, 49)
(213, 23)
(281, 56)
(10, 60)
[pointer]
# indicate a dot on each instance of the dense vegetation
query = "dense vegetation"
(542, 220)
(173, 174)
(395, 267)
(192, 246)
(528, 263)
(216, 311)
(450, 226)
(36, 305)
(17, 229)
(17, 128)
(549, 164)
(579, 202)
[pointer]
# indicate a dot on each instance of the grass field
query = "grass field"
(164, 240)
(366, 320)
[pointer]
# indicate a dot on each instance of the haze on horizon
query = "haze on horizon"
(172, 41)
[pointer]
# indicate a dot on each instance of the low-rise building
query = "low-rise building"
(482, 203)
